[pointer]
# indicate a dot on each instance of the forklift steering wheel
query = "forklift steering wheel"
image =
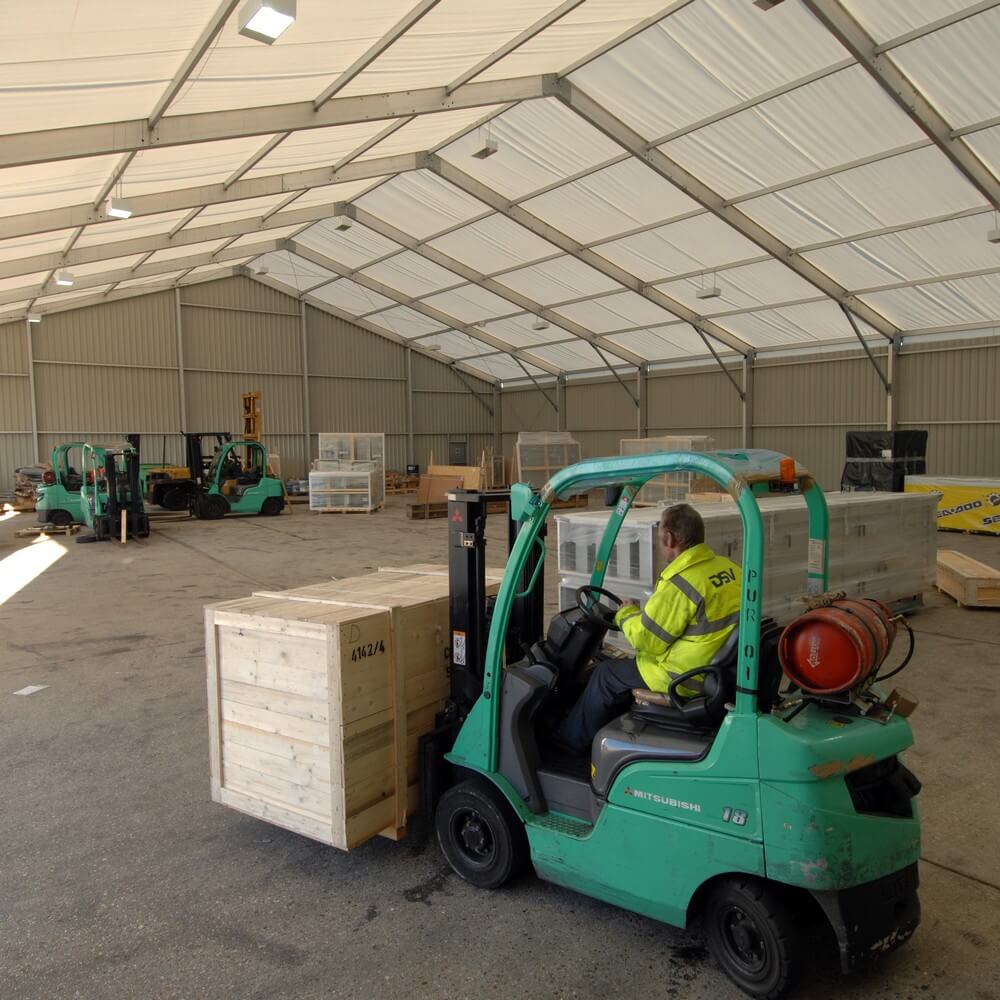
(588, 601)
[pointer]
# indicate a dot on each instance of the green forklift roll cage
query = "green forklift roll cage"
(742, 473)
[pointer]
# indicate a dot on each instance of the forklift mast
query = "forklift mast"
(469, 607)
(195, 456)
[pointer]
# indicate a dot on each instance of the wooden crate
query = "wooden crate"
(318, 697)
(970, 582)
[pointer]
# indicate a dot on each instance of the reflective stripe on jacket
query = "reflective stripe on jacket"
(685, 622)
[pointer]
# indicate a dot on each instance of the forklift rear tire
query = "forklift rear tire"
(480, 835)
(60, 518)
(271, 506)
(754, 935)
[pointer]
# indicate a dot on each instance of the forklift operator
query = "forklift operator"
(685, 622)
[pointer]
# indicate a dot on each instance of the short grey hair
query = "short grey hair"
(685, 523)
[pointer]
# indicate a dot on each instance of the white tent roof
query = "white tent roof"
(820, 156)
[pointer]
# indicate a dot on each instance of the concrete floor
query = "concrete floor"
(120, 878)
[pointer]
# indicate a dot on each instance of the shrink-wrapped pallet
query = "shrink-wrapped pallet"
(354, 486)
(882, 545)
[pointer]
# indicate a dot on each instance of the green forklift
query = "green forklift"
(110, 495)
(238, 481)
(751, 810)
(57, 498)
(172, 486)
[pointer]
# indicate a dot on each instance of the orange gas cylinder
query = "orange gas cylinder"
(833, 649)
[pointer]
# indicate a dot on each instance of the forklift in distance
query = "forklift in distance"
(57, 498)
(744, 810)
(170, 486)
(110, 495)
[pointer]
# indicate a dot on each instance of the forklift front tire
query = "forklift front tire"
(271, 506)
(754, 936)
(480, 835)
(211, 507)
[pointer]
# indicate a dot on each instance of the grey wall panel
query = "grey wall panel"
(15, 403)
(431, 374)
(239, 293)
(13, 348)
(598, 444)
(231, 340)
(337, 347)
(601, 406)
(527, 410)
(455, 413)
(132, 332)
(437, 445)
(705, 400)
(955, 394)
(213, 401)
(15, 450)
(93, 398)
(337, 404)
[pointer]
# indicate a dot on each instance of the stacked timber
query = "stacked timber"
(318, 696)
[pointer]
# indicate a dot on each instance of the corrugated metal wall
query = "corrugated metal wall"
(801, 406)
(104, 371)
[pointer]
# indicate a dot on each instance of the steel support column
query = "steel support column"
(409, 404)
(642, 391)
(31, 389)
(746, 403)
(892, 390)
(179, 330)
(306, 432)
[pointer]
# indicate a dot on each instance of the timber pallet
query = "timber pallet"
(972, 583)
(52, 529)
(345, 510)
(430, 511)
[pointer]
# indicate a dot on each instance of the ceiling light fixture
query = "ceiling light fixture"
(64, 278)
(487, 144)
(540, 324)
(34, 317)
(120, 208)
(342, 223)
(994, 234)
(766, 4)
(710, 291)
(265, 20)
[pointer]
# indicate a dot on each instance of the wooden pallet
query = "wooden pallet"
(430, 511)
(51, 529)
(972, 583)
(346, 510)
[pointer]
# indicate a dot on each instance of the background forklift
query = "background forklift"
(172, 487)
(110, 493)
(238, 481)
(746, 810)
(57, 498)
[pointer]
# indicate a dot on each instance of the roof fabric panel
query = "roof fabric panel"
(230, 211)
(812, 322)
(494, 244)
(954, 70)
(427, 131)
(412, 274)
(351, 297)
(42, 186)
(155, 170)
(421, 204)
(901, 189)
(696, 244)
(616, 312)
(986, 145)
(611, 201)
(352, 247)
(888, 19)
(312, 147)
(330, 193)
(517, 331)
(813, 128)
(573, 356)
(190, 250)
(28, 246)
(292, 270)
(558, 280)
(406, 322)
(542, 142)
(708, 56)
(471, 304)
(663, 343)
(454, 344)
(502, 366)
(62, 66)
(129, 229)
(950, 303)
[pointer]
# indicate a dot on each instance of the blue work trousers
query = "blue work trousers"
(608, 693)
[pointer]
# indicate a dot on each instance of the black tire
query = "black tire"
(211, 507)
(272, 506)
(755, 937)
(480, 835)
(60, 518)
(174, 499)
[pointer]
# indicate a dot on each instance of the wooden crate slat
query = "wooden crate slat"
(969, 581)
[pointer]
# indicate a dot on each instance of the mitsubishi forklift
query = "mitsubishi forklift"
(57, 498)
(172, 487)
(753, 809)
(238, 481)
(110, 494)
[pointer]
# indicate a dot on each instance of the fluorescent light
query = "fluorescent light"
(64, 279)
(265, 20)
(342, 223)
(487, 149)
(34, 317)
(539, 324)
(711, 292)
(993, 235)
(766, 4)
(120, 208)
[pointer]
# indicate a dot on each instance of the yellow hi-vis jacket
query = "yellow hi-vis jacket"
(685, 622)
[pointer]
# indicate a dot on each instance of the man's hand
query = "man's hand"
(628, 604)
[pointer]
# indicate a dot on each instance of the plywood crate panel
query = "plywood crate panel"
(318, 697)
